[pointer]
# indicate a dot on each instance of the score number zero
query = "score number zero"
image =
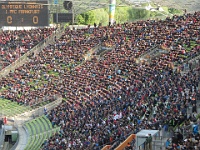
(35, 19)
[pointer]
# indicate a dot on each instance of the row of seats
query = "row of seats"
(35, 142)
(39, 130)
(11, 108)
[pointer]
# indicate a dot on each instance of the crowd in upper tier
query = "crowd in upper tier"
(108, 98)
(14, 44)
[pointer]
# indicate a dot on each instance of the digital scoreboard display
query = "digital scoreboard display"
(24, 13)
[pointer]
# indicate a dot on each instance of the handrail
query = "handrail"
(107, 147)
(194, 58)
(125, 143)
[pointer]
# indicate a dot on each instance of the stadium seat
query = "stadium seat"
(39, 129)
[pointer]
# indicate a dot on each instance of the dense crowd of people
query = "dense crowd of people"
(16, 43)
(186, 141)
(115, 92)
(111, 97)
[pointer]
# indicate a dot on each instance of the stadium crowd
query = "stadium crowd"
(16, 43)
(190, 141)
(108, 98)
(115, 92)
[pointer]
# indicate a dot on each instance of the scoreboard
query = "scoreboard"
(24, 13)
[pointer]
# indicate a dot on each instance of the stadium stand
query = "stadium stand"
(109, 105)
(41, 64)
(16, 43)
(39, 130)
(9, 108)
(108, 99)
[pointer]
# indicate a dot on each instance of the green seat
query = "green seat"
(46, 126)
(31, 143)
(10, 108)
(28, 127)
(39, 130)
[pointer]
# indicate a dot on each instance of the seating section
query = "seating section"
(66, 58)
(10, 108)
(14, 44)
(106, 98)
(110, 97)
(39, 130)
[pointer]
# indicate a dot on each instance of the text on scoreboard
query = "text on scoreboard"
(24, 13)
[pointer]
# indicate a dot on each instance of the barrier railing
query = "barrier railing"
(190, 63)
(91, 52)
(45, 99)
(191, 58)
(126, 142)
(103, 49)
(107, 147)
(40, 110)
(159, 143)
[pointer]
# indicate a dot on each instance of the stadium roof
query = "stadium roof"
(81, 6)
